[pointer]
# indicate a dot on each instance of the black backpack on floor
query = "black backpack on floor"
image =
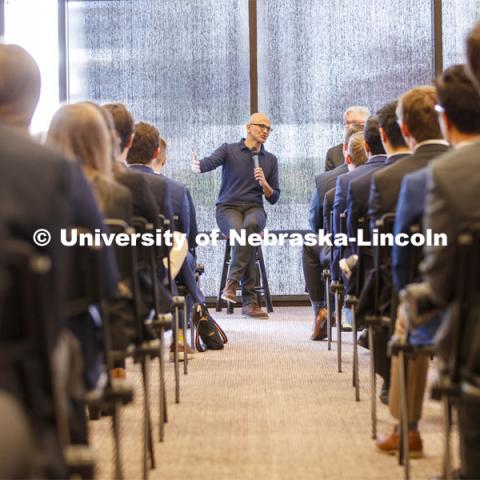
(208, 330)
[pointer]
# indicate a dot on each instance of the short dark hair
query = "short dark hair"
(416, 109)
(371, 134)
(387, 120)
(123, 122)
(460, 99)
(145, 142)
(473, 52)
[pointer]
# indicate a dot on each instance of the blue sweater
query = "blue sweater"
(238, 180)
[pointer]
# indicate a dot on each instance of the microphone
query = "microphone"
(254, 153)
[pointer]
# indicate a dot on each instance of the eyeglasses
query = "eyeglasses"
(261, 126)
(439, 108)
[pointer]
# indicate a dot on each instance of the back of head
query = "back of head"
(416, 109)
(123, 121)
(145, 143)
(19, 86)
(460, 99)
(356, 149)
(372, 137)
(355, 128)
(473, 54)
(387, 120)
(80, 133)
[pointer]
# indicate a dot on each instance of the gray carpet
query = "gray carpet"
(271, 405)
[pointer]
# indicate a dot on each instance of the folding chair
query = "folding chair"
(375, 321)
(27, 343)
(351, 301)
(144, 350)
(451, 387)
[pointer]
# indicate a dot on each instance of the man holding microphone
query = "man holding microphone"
(249, 172)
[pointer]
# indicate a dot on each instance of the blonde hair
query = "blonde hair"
(356, 149)
(80, 133)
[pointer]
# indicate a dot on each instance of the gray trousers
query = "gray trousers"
(252, 218)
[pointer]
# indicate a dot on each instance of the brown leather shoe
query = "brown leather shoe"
(319, 331)
(118, 373)
(390, 443)
(254, 311)
(229, 293)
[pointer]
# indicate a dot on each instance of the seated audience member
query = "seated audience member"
(384, 145)
(60, 197)
(354, 115)
(148, 154)
(356, 158)
(459, 105)
(312, 264)
(145, 204)
(80, 133)
(459, 117)
(421, 131)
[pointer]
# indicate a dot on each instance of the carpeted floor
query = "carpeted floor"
(271, 405)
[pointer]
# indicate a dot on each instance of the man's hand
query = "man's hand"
(195, 163)
(260, 177)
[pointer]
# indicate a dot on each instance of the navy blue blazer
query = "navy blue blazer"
(323, 183)
(359, 190)
(340, 205)
(409, 211)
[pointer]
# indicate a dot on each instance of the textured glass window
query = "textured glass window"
(315, 58)
(181, 65)
(458, 17)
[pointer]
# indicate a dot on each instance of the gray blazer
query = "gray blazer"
(452, 205)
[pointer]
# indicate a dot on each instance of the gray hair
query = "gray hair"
(357, 108)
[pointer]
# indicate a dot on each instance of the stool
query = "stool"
(261, 282)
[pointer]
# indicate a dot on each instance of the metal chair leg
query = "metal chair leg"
(404, 454)
(329, 311)
(338, 317)
(175, 357)
(162, 401)
(147, 424)
(373, 384)
(116, 436)
(447, 425)
(185, 353)
(356, 376)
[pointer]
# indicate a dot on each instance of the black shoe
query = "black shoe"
(384, 393)
(363, 339)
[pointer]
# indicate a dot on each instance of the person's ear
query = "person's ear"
(348, 159)
(130, 142)
(366, 146)
(405, 130)
(383, 136)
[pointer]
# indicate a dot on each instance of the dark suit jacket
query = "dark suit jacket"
(327, 208)
(334, 157)
(159, 188)
(385, 185)
(323, 182)
(143, 202)
(359, 191)
(452, 205)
